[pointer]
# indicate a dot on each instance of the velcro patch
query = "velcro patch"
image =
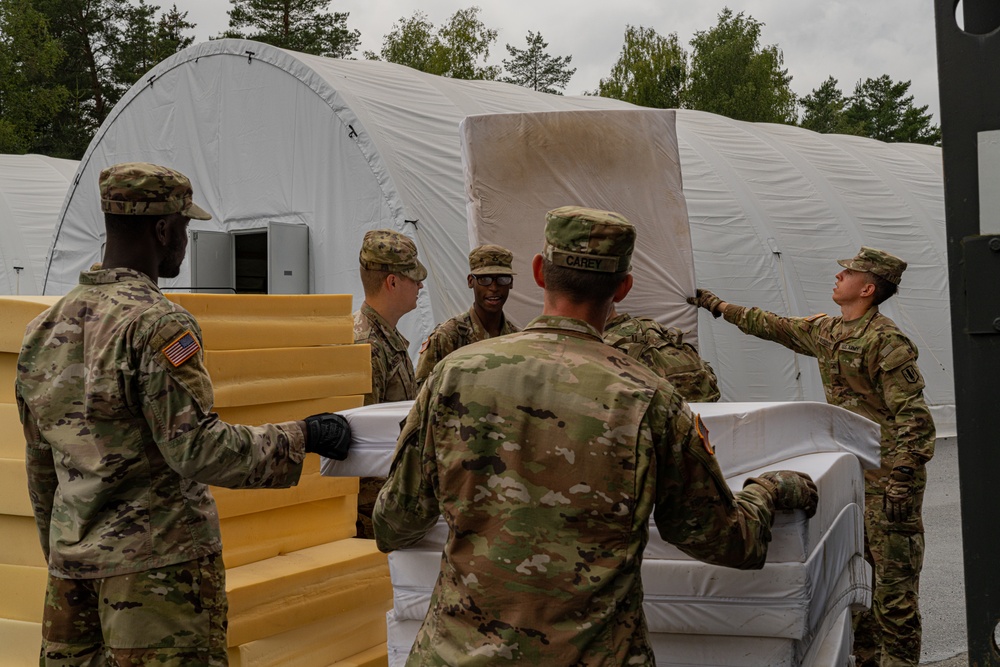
(182, 348)
(702, 430)
(910, 374)
(423, 348)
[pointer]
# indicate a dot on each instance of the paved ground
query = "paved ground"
(942, 585)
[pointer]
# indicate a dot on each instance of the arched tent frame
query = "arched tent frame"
(348, 146)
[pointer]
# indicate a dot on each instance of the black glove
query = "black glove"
(705, 299)
(791, 490)
(898, 499)
(328, 434)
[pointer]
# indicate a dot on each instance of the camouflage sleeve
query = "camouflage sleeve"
(695, 508)
(407, 506)
(902, 390)
(437, 347)
(681, 366)
(42, 479)
(177, 400)
(795, 333)
(380, 376)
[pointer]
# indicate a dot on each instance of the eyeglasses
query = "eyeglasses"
(503, 281)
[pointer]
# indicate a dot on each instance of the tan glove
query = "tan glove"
(898, 499)
(790, 490)
(705, 299)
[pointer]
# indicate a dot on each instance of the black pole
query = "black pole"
(969, 79)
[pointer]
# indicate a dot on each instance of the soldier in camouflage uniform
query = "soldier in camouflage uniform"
(490, 279)
(663, 349)
(546, 451)
(392, 276)
(870, 367)
(116, 406)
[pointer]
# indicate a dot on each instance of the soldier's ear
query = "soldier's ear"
(623, 288)
(536, 270)
(868, 290)
(471, 279)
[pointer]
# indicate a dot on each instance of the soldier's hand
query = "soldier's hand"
(705, 299)
(328, 434)
(791, 490)
(898, 500)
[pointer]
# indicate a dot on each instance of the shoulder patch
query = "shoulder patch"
(896, 358)
(910, 374)
(813, 318)
(699, 426)
(181, 348)
(423, 348)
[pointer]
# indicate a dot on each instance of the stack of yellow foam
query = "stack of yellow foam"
(302, 590)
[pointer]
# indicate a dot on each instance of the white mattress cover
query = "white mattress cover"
(831, 648)
(746, 436)
(840, 482)
(780, 600)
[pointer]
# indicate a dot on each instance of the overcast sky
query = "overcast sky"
(848, 39)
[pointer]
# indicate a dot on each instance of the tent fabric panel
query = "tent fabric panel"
(32, 189)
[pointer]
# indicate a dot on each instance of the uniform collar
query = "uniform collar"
(567, 324)
(116, 275)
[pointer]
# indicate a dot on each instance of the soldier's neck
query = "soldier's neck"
(855, 310)
(593, 313)
(492, 322)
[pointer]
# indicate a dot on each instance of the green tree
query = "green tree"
(534, 68)
(881, 109)
(651, 70)
(297, 25)
(824, 110)
(29, 56)
(458, 49)
(150, 40)
(733, 75)
(109, 45)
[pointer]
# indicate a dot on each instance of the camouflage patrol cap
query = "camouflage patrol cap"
(386, 250)
(141, 188)
(879, 262)
(492, 260)
(588, 239)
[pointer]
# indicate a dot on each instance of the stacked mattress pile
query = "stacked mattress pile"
(795, 611)
(302, 590)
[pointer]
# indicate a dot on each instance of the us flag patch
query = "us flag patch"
(183, 348)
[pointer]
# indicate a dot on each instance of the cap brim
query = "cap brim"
(196, 212)
(846, 263)
(418, 274)
(493, 271)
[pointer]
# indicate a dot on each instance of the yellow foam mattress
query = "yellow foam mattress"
(252, 377)
(373, 657)
(15, 313)
(8, 371)
(11, 434)
(23, 589)
(14, 488)
(20, 642)
(19, 543)
(252, 321)
(349, 635)
(273, 596)
(250, 538)
(274, 413)
(312, 486)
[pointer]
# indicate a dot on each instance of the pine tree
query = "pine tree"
(298, 25)
(651, 70)
(534, 68)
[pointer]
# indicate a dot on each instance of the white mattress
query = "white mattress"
(840, 481)
(686, 596)
(746, 436)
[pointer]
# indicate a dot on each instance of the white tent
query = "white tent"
(32, 190)
(340, 147)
